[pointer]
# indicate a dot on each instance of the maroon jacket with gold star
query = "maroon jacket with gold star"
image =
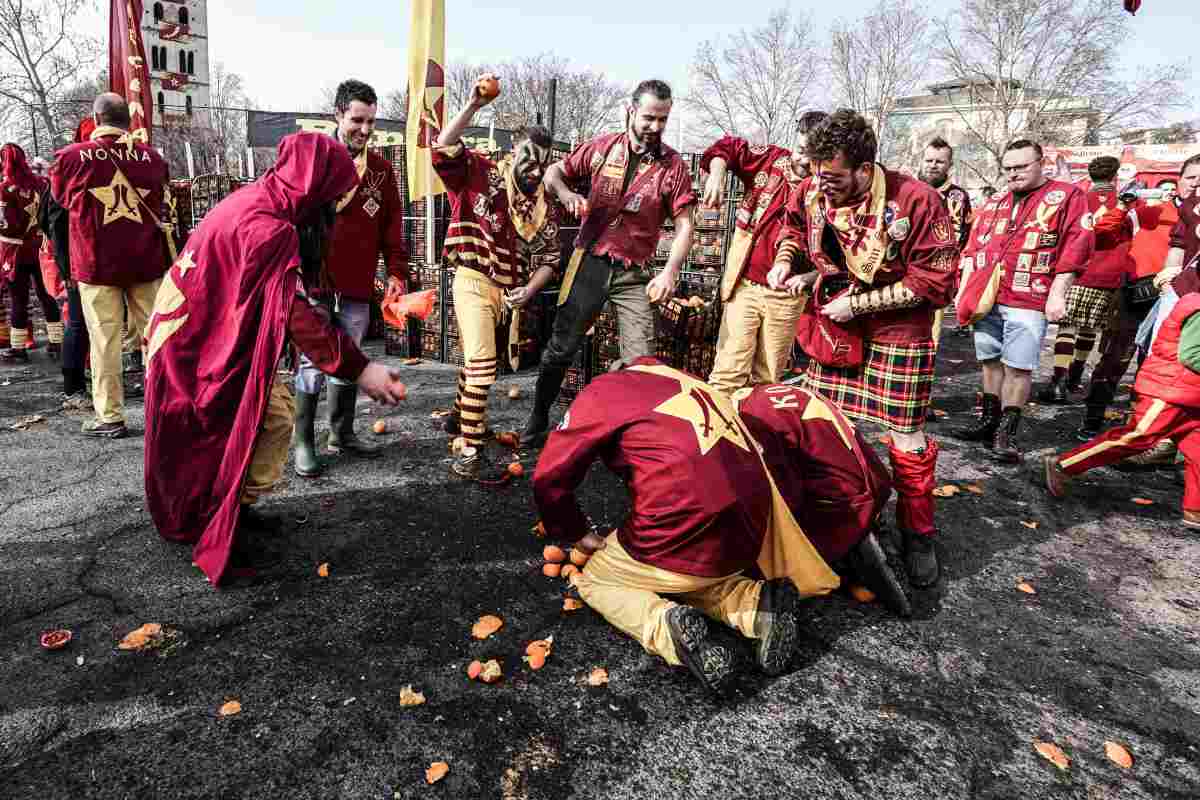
(700, 497)
(112, 191)
(370, 224)
(832, 481)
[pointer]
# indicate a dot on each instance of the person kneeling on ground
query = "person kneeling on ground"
(1168, 407)
(835, 485)
(218, 419)
(704, 511)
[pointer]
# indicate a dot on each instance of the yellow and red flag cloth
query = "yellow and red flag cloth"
(426, 95)
(128, 74)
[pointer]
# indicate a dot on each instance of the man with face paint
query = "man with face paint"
(758, 324)
(503, 237)
(883, 247)
(637, 184)
(369, 224)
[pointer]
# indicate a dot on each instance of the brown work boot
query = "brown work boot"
(1191, 519)
(1057, 481)
(1161, 456)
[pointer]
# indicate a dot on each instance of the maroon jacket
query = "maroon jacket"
(767, 177)
(700, 500)
(1035, 238)
(20, 191)
(369, 225)
(920, 252)
(1186, 233)
(1161, 375)
(625, 226)
(220, 321)
(833, 482)
(482, 234)
(114, 239)
(1112, 228)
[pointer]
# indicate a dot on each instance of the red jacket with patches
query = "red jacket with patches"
(767, 177)
(1034, 238)
(920, 254)
(370, 225)
(624, 225)
(1113, 228)
(700, 502)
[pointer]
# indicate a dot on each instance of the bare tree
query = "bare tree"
(755, 83)
(42, 53)
(459, 79)
(227, 113)
(878, 58)
(1048, 70)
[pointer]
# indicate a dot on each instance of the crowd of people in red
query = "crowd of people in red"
(750, 497)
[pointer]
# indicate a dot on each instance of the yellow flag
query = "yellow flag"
(426, 94)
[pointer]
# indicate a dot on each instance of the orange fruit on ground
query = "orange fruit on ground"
(473, 670)
(537, 659)
(554, 554)
(491, 672)
(380, 426)
(486, 626)
(862, 594)
(551, 570)
(516, 469)
(578, 557)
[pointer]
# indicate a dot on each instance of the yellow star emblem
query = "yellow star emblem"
(32, 211)
(710, 413)
(119, 200)
(185, 262)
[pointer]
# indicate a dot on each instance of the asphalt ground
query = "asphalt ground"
(948, 704)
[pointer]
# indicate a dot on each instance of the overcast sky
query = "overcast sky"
(287, 49)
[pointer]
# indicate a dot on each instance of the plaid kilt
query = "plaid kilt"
(1088, 307)
(892, 387)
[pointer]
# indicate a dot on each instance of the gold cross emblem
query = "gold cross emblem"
(119, 200)
(709, 413)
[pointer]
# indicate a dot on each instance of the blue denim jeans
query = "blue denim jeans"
(353, 317)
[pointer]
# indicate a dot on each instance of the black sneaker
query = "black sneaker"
(870, 566)
(713, 662)
(777, 625)
(103, 430)
(253, 553)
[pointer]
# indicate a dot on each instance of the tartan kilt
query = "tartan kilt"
(1088, 307)
(891, 388)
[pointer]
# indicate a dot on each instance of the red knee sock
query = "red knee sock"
(914, 479)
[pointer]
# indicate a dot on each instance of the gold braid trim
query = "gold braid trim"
(885, 298)
(787, 252)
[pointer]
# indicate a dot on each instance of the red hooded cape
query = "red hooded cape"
(19, 192)
(218, 329)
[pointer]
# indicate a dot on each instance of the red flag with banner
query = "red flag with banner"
(128, 73)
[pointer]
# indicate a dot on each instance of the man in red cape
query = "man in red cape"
(218, 423)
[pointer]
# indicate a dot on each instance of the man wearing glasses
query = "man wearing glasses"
(883, 248)
(1038, 235)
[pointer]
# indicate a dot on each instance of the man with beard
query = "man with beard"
(704, 511)
(20, 195)
(1035, 236)
(637, 183)
(503, 236)
(369, 223)
(112, 188)
(936, 165)
(758, 324)
(218, 420)
(883, 247)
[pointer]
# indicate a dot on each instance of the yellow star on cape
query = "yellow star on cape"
(185, 262)
(32, 211)
(710, 413)
(119, 200)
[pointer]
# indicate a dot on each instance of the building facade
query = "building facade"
(176, 39)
